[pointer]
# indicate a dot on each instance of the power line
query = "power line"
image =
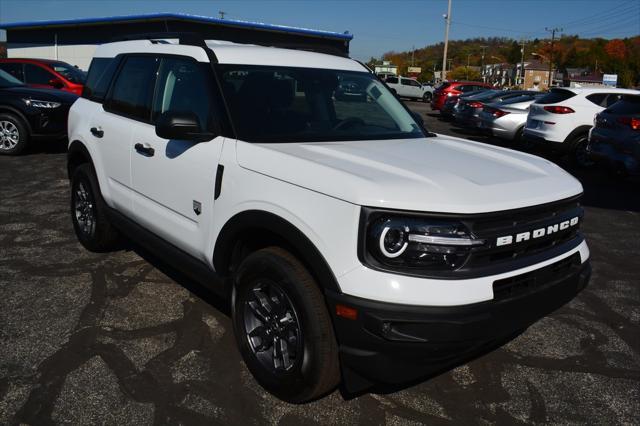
(598, 15)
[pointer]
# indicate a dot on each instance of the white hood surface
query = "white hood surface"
(437, 174)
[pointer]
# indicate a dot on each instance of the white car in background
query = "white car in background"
(409, 88)
(560, 121)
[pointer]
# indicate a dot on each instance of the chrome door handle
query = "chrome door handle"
(144, 149)
(97, 132)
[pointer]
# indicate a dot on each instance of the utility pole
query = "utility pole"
(447, 19)
(222, 13)
(467, 70)
(521, 76)
(553, 37)
(413, 51)
(482, 63)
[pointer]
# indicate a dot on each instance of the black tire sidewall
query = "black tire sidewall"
(103, 236)
(23, 131)
(297, 385)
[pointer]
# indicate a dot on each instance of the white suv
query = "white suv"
(353, 246)
(560, 121)
(409, 88)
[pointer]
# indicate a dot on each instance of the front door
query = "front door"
(174, 180)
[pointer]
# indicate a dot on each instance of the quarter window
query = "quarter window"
(13, 69)
(100, 75)
(133, 90)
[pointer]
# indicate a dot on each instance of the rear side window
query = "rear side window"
(37, 75)
(101, 73)
(612, 98)
(597, 98)
(392, 80)
(628, 105)
(405, 82)
(14, 69)
(555, 96)
(133, 89)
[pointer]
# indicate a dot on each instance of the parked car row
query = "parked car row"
(559, 121)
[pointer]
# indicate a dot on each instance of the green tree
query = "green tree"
(463, 73)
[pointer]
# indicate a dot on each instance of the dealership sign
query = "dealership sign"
(610, 79)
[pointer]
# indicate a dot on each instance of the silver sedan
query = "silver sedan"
(506, 119)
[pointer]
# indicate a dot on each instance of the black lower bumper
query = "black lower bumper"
(391, 344)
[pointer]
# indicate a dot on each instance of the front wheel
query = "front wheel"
(14, 136)
(282, 327)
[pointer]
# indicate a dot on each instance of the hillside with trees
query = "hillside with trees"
(617, 56)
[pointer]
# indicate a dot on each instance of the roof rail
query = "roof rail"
(190, 39)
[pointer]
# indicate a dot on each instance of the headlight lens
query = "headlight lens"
(414, 244)
(41, 104)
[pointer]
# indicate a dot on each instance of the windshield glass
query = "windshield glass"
(7, 80)
(72, 74)
(278, 104)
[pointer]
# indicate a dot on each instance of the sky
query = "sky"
(378, 26)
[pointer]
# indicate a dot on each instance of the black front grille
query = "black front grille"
(511, 223)
(535, 280)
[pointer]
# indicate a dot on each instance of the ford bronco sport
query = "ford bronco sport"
(353, 245)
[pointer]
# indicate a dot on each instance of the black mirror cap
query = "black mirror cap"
(182, 126)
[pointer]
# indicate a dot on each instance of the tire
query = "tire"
(426, 98)
(273, 288)
(580, 156)
(522, 142)
(14, 135)
(89, 212)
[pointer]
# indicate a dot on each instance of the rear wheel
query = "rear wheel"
(14, 136)
(89, 212)
(282, 327)
(580, 154)
(426, 97)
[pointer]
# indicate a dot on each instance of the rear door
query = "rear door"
(174, 180)
(127, 105)
(16, 69)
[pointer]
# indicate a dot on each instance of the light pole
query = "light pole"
(447, 19)
(467, 70)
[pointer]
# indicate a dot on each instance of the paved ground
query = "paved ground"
(111, 338)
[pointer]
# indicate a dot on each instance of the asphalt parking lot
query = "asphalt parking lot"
(119, 338)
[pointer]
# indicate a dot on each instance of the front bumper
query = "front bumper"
(391, 344)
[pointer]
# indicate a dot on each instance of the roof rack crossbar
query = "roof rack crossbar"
(189, 39)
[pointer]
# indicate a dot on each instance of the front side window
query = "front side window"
(37, 75)
(406, 82)
(183, 86)
(72, 74)
(282, 104)
(392, 80)
(133, 89)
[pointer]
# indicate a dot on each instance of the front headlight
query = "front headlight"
(41, 104)
(417, 245)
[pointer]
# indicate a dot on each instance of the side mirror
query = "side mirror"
(182, 126)
(56, 82)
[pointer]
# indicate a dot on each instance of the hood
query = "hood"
(52, 95)
(437, 174)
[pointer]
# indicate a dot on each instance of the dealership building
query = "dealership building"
(74, 41)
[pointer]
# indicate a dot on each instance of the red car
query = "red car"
(455, 88)
(44, 73)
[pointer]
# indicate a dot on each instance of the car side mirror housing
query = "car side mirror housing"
(182, 126)
(56, 82)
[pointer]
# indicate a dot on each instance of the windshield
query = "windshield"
(278, 104)
(72, 74)
(7, 80)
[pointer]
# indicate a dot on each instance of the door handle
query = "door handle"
(144, 149)
(97, 132)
